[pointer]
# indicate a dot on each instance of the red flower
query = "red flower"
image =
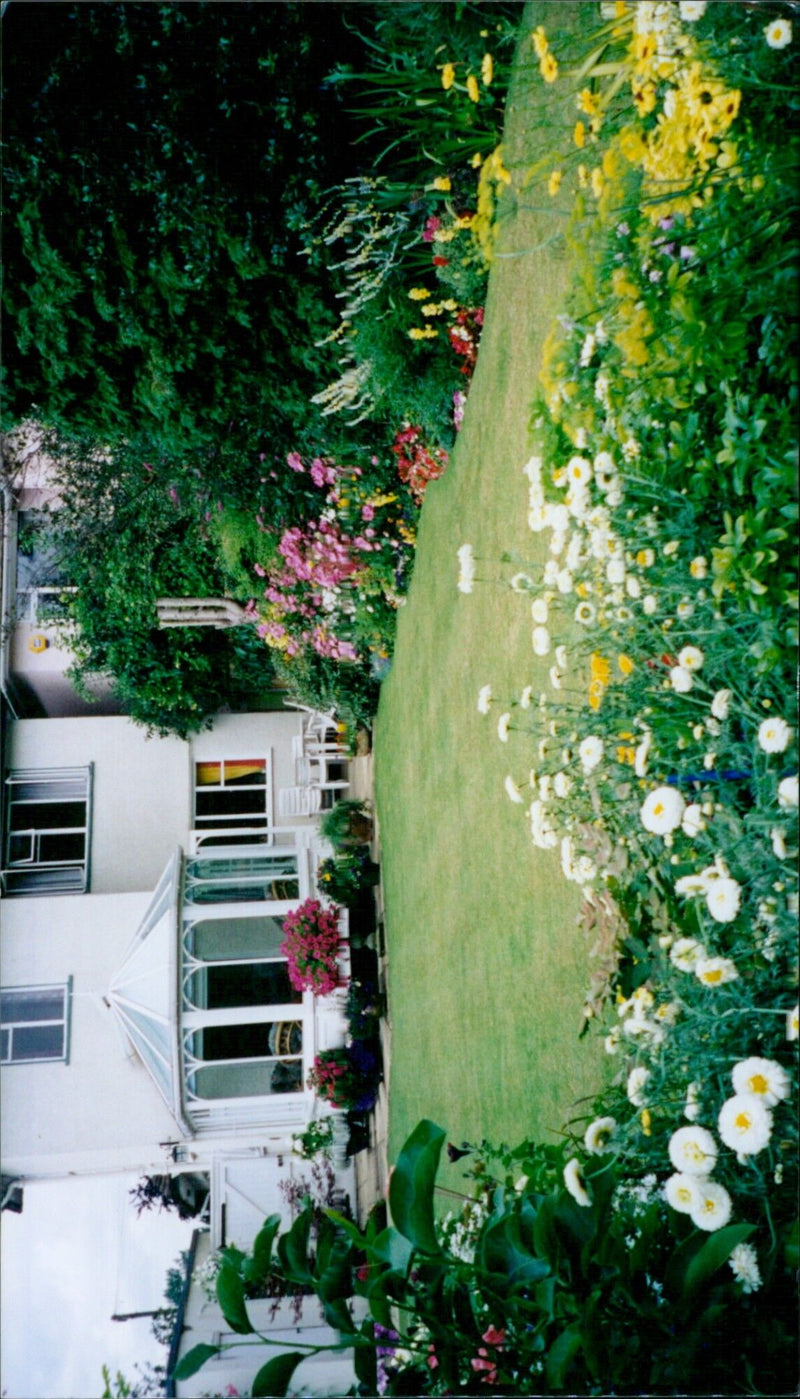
(439, 261)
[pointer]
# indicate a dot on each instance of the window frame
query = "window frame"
(65, 988)
(14, 872)
(232, 829)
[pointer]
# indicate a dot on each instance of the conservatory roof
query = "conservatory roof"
(144, 992)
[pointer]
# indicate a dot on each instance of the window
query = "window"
(33, 1023)
(232, 801)
(47, 831)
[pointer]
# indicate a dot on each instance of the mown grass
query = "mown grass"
(487, 968)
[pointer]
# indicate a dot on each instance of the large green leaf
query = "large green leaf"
(561, 1355)
(274, 1378)
(230, 1295)
(365, 1360)
(259, 1265)
(714, 1252)
(293, 1250)
(194, 1360)
(503, 1252)
(412, 1186)
(393, 1248)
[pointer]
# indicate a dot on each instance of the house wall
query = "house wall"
(143, 796)
(99, 1111)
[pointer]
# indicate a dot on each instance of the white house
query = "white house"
(147, 1019)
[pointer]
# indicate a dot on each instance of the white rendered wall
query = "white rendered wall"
(100, 1111)
(143, 787)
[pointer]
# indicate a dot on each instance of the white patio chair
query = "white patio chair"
(299, 801)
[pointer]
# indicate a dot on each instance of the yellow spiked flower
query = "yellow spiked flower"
(588, 102)
(548, 68)
(579, 135)
(448, 76)
(442, 182)
(540, 44)
(554, 183)
(487, 69)
(625, 664)
(473, 91)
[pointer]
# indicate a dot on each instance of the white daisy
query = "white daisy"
(590, 753)
(778, 34)
(693, 821)
(585, 613)
(765, 1078)
(745, 1124)
(634, 1087)
(512, 790)
(793, 1023)
(681, 679)
(744, 1264)
(484, 699)
(715, 971)
(579, 471)
(525, 697)
(712, 1206)
(521, 583)
(598, 1133)
(774, 735)
(691, 658)
(503, 726)
(575, 1183)
(693, 1151)
(787, 791)
(724, 899)
(685, 952)
(662, 810)
(721, 703)
(540, 640)
(692, 10)
(681, 1192)
(691, 1109)
(539, 609)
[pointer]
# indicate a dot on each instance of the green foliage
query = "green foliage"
(551, 1296)
(151, 275)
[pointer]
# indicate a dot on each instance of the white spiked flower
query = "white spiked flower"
(715, 971)
(484, 699)
(598, 1134)
(723, 900)
(691, 658)
(744, 1264)
(512, 790)
(721, 703)
(590, 753)
(680, 1191)
(503, 726)
(774, 735)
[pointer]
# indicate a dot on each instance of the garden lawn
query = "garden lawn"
(487, 967)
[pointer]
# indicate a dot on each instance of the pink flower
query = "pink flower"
(493, 1337)
(260, 570)
(294, 461)
(368, 512)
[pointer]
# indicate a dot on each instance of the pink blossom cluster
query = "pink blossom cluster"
(311, 946)
(320, 553)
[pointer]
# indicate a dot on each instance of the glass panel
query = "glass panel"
(252, 771)
(206, 774)
(273, 865)
(229, 802)
(236, 1041)
(26, 1006)
(38, 1042)
(62, 847)
(226, 939)
(5, 1046)
(47, 816)
(248, 1080)
(257, 984)
(277, 889)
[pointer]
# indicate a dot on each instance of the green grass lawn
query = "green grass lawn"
(487, 968)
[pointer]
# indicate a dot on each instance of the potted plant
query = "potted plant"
(346, 1078)
(311, 946)
(346, 876)
(347, 824)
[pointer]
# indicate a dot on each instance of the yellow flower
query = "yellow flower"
(448, 76)
(477, 160)
(583, 177)
(554, 183)
(626, 753)
(548, 68)
(588, 102)
(419, 294)
(598, 183)
(646, 1120)
(441, 182)
(487, 69)
(473, 91)
(579, 135)
(540, 44)
(632, 144)
(644, 96)
(644, 51)
(625, 664)
(433, 308)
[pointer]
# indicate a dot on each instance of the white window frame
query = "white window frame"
(10, 1026)
(240, 831)
(64, 876)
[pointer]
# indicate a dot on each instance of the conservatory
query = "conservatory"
(204, 995)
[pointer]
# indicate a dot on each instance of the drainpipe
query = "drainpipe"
(7, 593)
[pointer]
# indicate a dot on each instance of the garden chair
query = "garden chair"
(299, 801)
